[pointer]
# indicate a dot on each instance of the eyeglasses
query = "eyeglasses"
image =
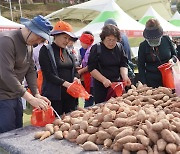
(111, 40)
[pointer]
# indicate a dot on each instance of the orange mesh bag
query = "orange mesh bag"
(41, 118)
(77, 90)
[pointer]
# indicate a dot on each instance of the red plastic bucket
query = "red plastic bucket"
(167, 75)
(41, 118)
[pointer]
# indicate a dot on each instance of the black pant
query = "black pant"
(66, 104)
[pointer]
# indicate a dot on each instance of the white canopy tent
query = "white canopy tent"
(175, 20)
(135, 8)
(6, 24)
(89, 10)
(125, 23)
(167, 27)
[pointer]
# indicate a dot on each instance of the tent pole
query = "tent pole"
(11, 10)
(0, 8)
(20, 7)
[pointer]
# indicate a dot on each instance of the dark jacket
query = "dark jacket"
(150, 58)
(66, 71)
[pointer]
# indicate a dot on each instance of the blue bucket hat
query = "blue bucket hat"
(38, 25)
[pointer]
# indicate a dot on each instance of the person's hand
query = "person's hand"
(44, 98)
(66, 84)
(80, 71)
(76, 79)
(38, 103)
(127, 81)
(107, 83)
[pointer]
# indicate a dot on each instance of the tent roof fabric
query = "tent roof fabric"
(89, 10)
(175, 20)
(135, 8)
(6, 24)
(167, 27)
(124, 21)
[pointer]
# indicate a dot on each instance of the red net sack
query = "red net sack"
(77, 90)
(41, 118)
(116, 90)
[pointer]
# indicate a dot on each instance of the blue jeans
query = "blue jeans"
(11, 114)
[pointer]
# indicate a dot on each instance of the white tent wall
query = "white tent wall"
(175, 20)
(168, 28)
(6, 24)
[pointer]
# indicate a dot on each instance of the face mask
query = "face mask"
(154, 42)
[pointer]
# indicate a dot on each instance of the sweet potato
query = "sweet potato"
(65, 127)
(117, 147)
(112, 130)
(58, 122)
(50, 128)
(165, 123)
(157, 126)
(92, 138)
(81, 139)
(150, 150)
(102, 135)
(125, 132)
(124, 151)
(127, 139)
(83, 125)
(99, 141)
(107, 143)
(134, 146)
(58, 135)
(119, 122)
(92, 129)
(143, 139)
(95, 123)
(46, 134)
(90, 146)
(177, 137)
(168, 136)
(75, 127)
(161, 144)
(171, 148)
(38, 134)
(73, 134)
(142, 152)
(56, 128)
(106, 125)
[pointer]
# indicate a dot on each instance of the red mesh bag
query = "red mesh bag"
(116, 90)
(77, 90)
(41, 118)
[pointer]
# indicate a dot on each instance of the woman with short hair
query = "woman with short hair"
(109, 65)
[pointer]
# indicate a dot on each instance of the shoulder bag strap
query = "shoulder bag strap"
(52, 58)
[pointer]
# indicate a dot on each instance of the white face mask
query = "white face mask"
(154, 42)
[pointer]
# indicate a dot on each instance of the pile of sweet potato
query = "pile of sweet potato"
(141, 120)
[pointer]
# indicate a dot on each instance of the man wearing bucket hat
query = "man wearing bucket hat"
(156, 50)
(16, 63)
(58, 69)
